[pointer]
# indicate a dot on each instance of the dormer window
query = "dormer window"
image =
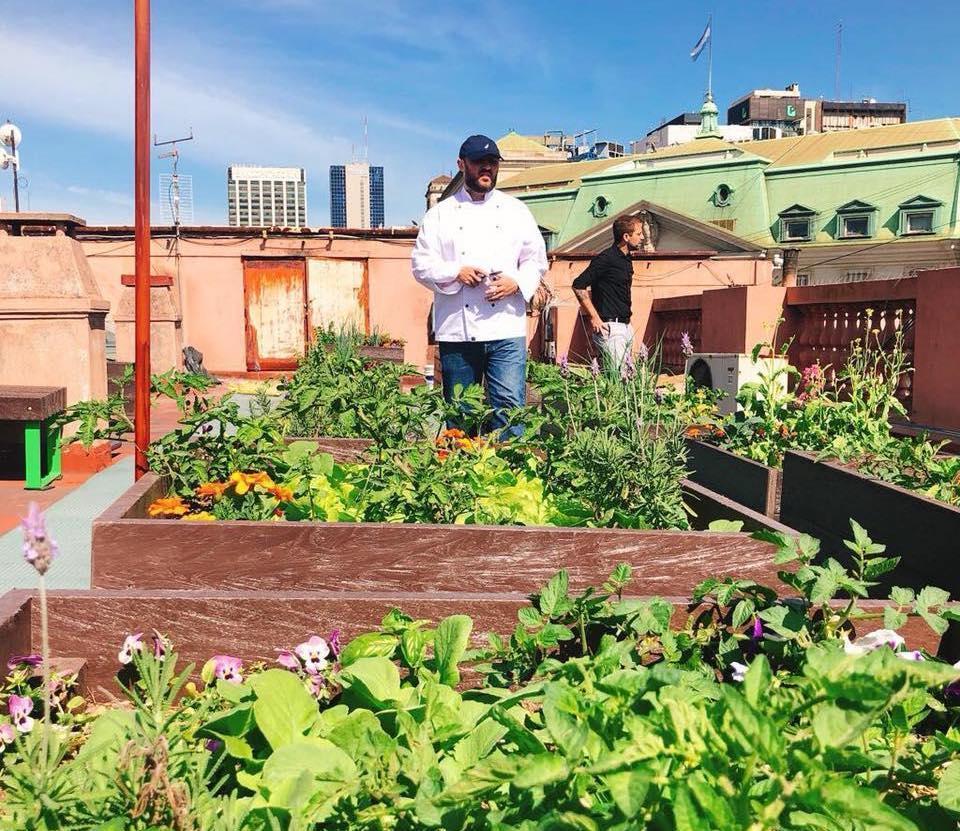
(722, 195)
(796, 223)
(855, 220)
(919, 216)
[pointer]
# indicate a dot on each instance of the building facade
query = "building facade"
(857, 205)
(356, 196)
(266, 197)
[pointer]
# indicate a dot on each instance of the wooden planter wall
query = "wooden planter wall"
(752, 484)
(87, 628)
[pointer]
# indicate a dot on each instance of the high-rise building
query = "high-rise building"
(356, 195)
(266, 196)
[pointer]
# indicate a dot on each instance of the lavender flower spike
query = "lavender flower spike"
(686, 345)
(644, 352)
(594, 367)
(38, 549)
(564, 364)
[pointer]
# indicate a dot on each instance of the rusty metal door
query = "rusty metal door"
(275, 312)
(337, 294)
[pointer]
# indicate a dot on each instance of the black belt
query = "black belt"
(616, 320)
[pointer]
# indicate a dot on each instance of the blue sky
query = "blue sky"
(288, 82)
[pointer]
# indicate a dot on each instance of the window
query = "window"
(721, 196)
(918, 222)
(803, 279)
(600, 206)
(854, 226)
(919, 215)
(855, 220)
(858, 276)
(796, 223)
(796, 229)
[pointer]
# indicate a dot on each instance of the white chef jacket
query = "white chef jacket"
(497, 234)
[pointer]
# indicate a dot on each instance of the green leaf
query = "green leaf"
(541, 769)
(449, 644)
(561, 708)
(934, 621)
(931, 596)
(553, 598)
(283, 709)
(321, 758)
(685, 816)
(836, 726)
(758, 681)
(372, 644)
(948, 791)
(375, 682)
(629, 790)
(892, 619)
(877, 566)
(529, 617)
(902, 596)
(725, 525)
(742, 612)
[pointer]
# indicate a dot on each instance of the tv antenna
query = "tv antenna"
(172, 199)
(836, 80)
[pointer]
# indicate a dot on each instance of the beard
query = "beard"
(473, 182)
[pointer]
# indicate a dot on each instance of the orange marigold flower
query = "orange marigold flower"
(464, 444)
(453, 434)
(442, 454)
(167, 506)
(282, 493)
(214, 489)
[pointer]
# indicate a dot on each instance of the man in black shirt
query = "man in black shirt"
(609, 278)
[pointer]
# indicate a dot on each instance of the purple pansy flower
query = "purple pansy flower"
(131, 644)
(313, 653)
(738, 671)
(911, 655)
(213, 745)
(20, 707)
(315, 685)
(287, 659)
(228, 668)
(874, 640)
(16, 661)
(38, 549)
(7, 735)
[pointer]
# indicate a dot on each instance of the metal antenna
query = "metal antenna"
(174, 187)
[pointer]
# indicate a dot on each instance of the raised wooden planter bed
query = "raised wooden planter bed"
(131, 551)
(820, 498)
(88, 627)
(750, 483)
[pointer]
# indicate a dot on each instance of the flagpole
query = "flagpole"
(710, 57)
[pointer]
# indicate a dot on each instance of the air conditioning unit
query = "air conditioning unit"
(728, 371)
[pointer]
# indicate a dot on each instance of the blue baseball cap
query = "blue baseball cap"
(479, 147)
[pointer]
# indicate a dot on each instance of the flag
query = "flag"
(704, 40)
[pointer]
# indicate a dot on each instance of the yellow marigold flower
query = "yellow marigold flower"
(200, 516)
(167, 506)
(242, 482)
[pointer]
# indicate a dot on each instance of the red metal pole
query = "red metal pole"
(141, 172)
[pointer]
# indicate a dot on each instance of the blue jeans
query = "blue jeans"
(502, 364)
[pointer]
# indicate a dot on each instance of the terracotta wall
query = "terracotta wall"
(654, 277)
(936, 380)
(207, 290)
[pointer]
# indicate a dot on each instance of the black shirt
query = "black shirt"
(609, 278)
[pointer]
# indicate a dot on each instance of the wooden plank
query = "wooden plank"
(143, 553)
(90, 626)
(752, 484)
(24, 403)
